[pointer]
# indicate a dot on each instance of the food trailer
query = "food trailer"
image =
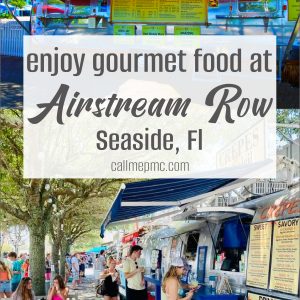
(233, 254)
(214, 238)
(212, 246)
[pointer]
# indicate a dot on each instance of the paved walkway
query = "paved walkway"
(86, 290)
(11, 82)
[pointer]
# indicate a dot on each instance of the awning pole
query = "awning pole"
(243, 227)
(213, 242)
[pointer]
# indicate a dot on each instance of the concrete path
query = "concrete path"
(11, 82)
(86, 290)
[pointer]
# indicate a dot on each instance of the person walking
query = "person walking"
(25, 268)
(24, 290)
(171, 287)
(16, 270)
(22, 258)
(58, 291)
(48, 267)
(67, 272)
(75, 270)
(82, 267)
(134, 273)
(99, 265)
(5, 277)
(102, 261)
(111, 282)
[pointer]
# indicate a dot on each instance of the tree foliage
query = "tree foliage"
(18, 3)
(65, 208)
(288, 116)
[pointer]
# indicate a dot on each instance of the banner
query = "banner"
(293, 10)
(285, 207)
(285, 257)
(149, 106)
(159, 11)
(259, 255)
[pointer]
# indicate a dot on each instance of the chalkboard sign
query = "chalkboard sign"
(201, 263)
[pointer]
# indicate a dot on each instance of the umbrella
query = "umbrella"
(96, 249)
(50, 9)
(80, 2)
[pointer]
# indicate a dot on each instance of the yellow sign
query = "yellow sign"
(186, 30)
(285, 256)
(259, 255)
(154, 30)
(124, 29)
(293, 10)
(159, 11)
(252, 296)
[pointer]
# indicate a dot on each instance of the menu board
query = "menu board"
(159, 11)
(254, 296)
(293, 10)
(124, 29)
(186, 30)
(153, 30)
(285, 256)
(259, 255)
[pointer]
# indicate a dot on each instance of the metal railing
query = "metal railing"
(261, 187)
(268, 187)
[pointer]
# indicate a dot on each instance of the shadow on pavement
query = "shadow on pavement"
(11, 86)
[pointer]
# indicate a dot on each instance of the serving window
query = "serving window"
(190, 251)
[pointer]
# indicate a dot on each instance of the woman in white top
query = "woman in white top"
(171, 283)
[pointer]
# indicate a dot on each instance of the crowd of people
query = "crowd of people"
(75, 268)
(172, 286)
(12, 270)
(15, 282)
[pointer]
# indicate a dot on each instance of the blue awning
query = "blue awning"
(96, 249)
(146, 197)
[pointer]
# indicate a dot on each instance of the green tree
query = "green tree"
(25, 199)
(288, 117)
(36, 202)
(77, 210)
(18, 3)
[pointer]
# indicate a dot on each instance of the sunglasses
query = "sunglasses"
(136, 265)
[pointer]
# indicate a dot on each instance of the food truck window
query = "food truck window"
(232, 244)
(257, 6)
(192, 246)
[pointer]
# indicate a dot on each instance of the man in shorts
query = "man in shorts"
(75, 270)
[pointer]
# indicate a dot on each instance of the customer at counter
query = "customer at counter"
(134, 273)
(171, 286)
